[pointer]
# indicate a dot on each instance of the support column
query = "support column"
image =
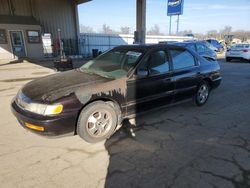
(140, 22)
(77, 30)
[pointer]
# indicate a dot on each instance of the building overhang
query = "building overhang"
(23, 20)
(81, 1)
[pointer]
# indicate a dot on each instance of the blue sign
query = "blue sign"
(175, 7)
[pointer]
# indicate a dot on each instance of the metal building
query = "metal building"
(23, 22)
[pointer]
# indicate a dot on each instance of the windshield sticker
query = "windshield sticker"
(132, 53)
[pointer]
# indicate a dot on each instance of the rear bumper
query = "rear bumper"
(60, 125)
(238, 56)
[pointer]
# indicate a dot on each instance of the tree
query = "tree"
(212, 34)
(107, 30)
(125, 30)
(227, 30)
(155, 30)
(86, 29)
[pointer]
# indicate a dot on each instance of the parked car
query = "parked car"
(201, 47)
(189, 35)
(92, 100)
(216, 44)
(238, 51)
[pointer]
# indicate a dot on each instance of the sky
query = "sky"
(199, 16)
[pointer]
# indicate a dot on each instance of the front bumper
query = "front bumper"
(59, 125)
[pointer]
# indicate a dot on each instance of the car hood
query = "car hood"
(55, 86)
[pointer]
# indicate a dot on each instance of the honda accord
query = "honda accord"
(93, 100)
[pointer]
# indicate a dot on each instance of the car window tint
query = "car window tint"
(182, 59)
(192, 47)
(201, 48)
(158, 63)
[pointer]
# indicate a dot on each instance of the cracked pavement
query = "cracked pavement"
(180, 146)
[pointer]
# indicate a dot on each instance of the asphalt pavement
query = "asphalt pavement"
(175, 147)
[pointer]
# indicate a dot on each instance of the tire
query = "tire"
(202, 93)
(228, 59)
(97, 122)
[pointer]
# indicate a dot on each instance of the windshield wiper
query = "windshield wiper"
(96, 73)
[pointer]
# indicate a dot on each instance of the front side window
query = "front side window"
(182, 59)
(156, 63)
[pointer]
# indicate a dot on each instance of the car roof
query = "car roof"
(146, 47)
(190, 42)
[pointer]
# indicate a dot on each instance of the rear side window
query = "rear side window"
(201, 48)
(192, 47)
(182, 59)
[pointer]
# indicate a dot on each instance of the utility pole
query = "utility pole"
(170, 25)
(178, 21)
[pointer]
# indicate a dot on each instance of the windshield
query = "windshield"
(114, 64)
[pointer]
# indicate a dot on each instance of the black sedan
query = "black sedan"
(92, 100)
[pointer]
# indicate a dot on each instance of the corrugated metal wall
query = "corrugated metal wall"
(4, 8)
(52, 14)
(22, 8)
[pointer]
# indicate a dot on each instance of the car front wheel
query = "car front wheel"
(228, 59)
(202, 93)
(97, 122)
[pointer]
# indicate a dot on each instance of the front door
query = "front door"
(154, 89)
(17, 43)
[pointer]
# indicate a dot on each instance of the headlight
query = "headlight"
(25, 103)
(44, 109)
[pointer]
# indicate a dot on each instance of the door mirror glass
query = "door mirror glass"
(142, 72)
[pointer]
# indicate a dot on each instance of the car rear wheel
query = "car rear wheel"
(97, 122)
(202, 93)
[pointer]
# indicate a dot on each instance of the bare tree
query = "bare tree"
(107, 30)
(155, 30)
(125, 30)
(212, 34)
(86, 29)
(227, 30)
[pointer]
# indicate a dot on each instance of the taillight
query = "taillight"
(245, 50)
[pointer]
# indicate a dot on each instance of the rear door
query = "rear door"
(185, 73)
(152, 90)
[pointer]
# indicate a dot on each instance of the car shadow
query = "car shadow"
(140, 151)
(182, 146)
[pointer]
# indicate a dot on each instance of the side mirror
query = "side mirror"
(142, 72)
